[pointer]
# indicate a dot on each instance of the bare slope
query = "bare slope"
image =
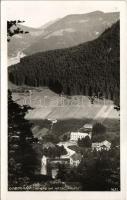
(48, 105)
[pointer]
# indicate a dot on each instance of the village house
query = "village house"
(75, 159)
(105, 145)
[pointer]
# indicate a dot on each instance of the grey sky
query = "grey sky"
(37, 13)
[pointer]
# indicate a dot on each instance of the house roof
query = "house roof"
(67, 143)
(79, 133)
(106, 143)
(100, 144)
(84, 130)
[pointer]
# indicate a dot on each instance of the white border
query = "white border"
(5, 195)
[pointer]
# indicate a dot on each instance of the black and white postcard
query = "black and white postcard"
(63, 95)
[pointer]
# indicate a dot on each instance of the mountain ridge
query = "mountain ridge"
(66, 32)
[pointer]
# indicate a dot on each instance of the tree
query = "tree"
(21, 156)
(85, 142)
(99, 137)
(54, 152)
(98, 128)
(13, 28)
(62, 171)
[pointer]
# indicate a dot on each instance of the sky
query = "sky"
(37, 13)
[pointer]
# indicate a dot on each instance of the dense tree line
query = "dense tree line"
(90, 69)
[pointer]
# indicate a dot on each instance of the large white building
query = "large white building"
(84, 131)
(78, 135)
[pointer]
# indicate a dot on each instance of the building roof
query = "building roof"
(106, 143)
(100, 144)
(67, 143)
(80, 133)
(74, 148)
(88, 126)
(84, 130)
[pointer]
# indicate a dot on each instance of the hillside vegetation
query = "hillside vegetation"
(88, 69)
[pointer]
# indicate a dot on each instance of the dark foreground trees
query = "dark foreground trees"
(98, 171)
(22, 160)
(102, 171)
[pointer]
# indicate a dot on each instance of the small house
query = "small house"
(75, 159)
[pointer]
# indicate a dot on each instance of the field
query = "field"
(48, 105)
(71, 112)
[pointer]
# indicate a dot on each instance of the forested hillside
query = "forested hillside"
(86, 69)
